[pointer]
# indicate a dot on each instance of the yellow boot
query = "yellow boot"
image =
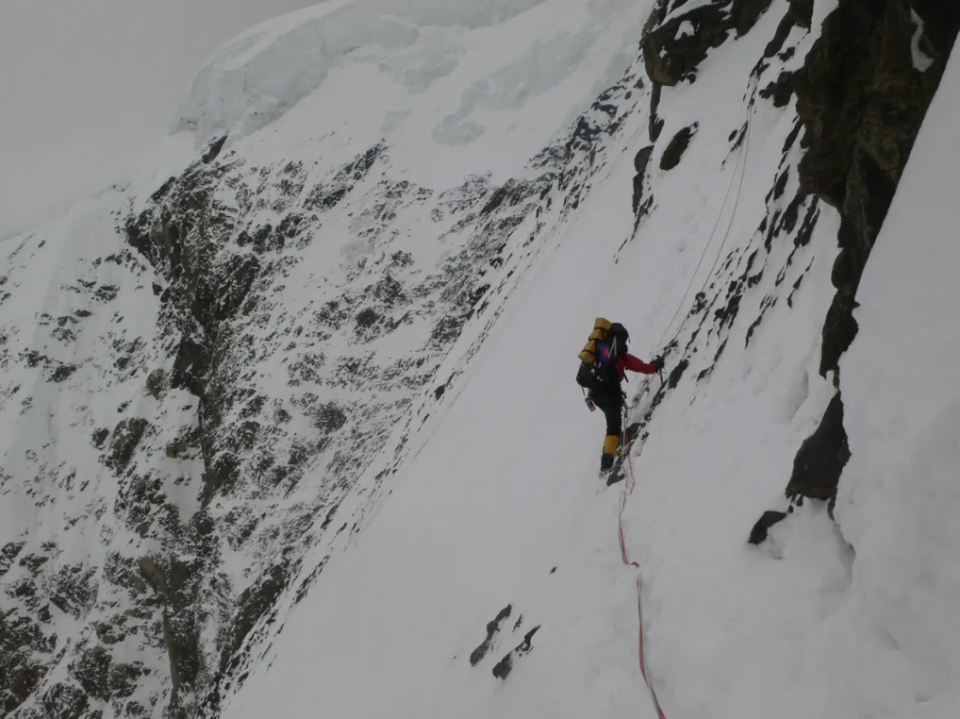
(610, 445)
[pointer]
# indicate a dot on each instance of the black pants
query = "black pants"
(611, 404)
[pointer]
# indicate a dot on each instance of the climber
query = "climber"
(603, 361)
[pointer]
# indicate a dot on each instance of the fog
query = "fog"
(88, 86)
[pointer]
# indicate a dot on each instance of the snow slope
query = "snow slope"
(504, 490)
(303, 419)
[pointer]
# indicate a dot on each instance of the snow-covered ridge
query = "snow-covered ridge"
(491, 82)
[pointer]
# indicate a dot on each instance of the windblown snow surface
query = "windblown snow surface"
(472, 167)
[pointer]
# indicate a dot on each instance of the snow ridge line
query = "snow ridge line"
(627, 491)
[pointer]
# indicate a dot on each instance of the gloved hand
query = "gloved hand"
(658, 362)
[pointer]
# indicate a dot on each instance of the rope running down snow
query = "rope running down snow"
(631, 485)
(628, 490)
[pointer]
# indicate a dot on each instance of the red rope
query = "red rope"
(631, 485)
(743, 172)
(736, 203)
(700, 261)
(726, 236)
(628, 489)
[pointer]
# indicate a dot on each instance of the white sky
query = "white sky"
(87, 88)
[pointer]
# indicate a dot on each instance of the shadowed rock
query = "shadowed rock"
(126, 437)
(678, 145)
(862, 102)
(760, 530)
(493, 627)
(640, 163)
(503, 668)
(673, 49)
(822, 457)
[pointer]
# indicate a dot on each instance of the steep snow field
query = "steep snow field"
(505, 488)
(431, 207)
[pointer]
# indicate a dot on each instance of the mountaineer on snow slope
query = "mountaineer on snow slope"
(603, 361)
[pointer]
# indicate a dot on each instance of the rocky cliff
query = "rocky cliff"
(860, 96)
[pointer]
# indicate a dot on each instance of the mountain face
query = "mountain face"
(219, 376)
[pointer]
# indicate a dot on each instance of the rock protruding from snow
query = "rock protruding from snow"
(503, 668)
(899, 497)
(676, 43)
(770, 518)
(493, 628)
(640, 163)
(859, 139)
(677, 146)
(822, 457)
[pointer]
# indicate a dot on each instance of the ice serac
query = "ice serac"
(476, 64)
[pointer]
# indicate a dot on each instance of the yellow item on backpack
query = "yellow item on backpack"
(601, 326)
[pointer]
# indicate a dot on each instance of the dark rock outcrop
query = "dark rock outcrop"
(672, 49)
(493, 627)
(65, 701)
(761, 529)
(126, 437)
(780, 90)
(254, 603)
(862, 101)
(20, 674)
(640, 163)
(678, 145)
(176, 582)
(8, 554)
(213, 150)
(822, 457)
(502, 669)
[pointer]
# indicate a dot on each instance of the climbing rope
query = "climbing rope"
(628, 490)
(726, 235)
(743, 171)
(630, 485)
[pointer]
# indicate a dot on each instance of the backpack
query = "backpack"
(598, 358)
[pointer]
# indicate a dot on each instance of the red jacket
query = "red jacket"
(634, 364)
